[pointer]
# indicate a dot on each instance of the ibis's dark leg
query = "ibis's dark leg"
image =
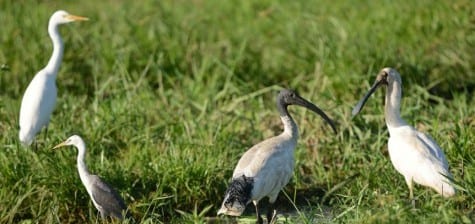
(271, 213)
(410, 184)
(97, 217)
(259, 218)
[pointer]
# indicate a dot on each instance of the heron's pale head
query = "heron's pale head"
(73, 140)
(62, 17)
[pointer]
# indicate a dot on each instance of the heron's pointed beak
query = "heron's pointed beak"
(303, 102)
(59, 145)
(77, 18)
(361, 103)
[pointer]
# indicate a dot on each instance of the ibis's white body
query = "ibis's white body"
(414, 154)
(417, 157)
(270, 163)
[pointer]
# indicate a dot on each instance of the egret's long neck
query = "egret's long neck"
(82, 168)
(56, 57)
(393, 105)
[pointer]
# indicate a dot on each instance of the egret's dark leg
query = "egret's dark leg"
(259, 218)
(271, 213)
(45, 134)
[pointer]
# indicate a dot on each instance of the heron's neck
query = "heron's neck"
(56, 57)
(82, 168)
(393, 105)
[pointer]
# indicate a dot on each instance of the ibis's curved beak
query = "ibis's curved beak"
(379, 80)
(303, 102)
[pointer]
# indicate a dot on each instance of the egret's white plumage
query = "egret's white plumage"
(104, 197)
(414, 154)
(267, 167)
(39, 98)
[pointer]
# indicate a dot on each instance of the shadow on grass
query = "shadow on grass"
(303, 198)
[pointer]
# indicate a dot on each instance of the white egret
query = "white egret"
(39, 98)
(104, 197)
(414, 154)
(267, 166)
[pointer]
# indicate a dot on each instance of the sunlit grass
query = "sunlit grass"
(169, 94)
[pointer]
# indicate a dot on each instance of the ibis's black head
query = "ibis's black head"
(386, 76)
(288, 97)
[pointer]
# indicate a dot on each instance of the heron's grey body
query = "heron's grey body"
(414, 154)
(266, 167)
(104, 197)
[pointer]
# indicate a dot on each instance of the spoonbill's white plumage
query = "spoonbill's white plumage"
(39, 98)
(414, 154)
(104, 197)
(267, 166)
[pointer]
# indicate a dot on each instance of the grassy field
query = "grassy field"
(169, 94)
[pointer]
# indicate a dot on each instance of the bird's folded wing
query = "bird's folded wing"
(106, 196)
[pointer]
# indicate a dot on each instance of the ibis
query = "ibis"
(414, 154)
(267, 167)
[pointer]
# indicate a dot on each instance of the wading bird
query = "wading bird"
(414, 154)
(104, 197)
(267, 166)
(40, 96)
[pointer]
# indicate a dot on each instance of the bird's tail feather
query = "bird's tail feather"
(238, 195)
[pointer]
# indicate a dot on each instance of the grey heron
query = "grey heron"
(104, 197)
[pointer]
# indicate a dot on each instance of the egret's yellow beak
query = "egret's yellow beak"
(59, 145)
(76, 18)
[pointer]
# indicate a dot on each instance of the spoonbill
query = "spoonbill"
(39, 98)
(267, 166)
(414, 154)
(104, 197)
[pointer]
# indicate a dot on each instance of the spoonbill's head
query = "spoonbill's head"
(388, 77)
(62, 17)
(289, 97)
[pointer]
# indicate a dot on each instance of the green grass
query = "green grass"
(169, 94)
